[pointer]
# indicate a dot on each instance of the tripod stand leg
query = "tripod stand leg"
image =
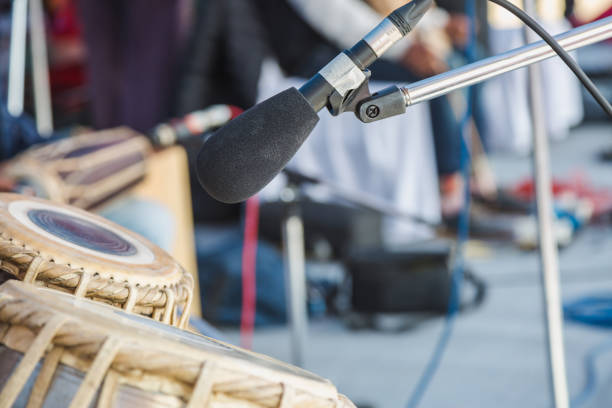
(40, 69)
(19, 23)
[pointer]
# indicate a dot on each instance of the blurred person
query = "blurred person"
(231, 39)
(385, 160)
(221, 65)
(451, 44)
(222, 62)
(507, 95)
(324, 27)
(131, 56)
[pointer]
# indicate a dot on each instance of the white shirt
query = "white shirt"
(345, 22)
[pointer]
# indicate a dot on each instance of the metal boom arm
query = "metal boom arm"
(520, 57)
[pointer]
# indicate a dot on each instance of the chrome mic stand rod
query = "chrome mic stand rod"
(471, 74)
(294, 261)
(549, 256)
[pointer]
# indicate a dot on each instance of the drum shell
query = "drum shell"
(146, 362)
(66, 382)
(85, 170)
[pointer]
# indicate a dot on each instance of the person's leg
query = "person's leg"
(479, 114)
(447, 145)
(447, 136)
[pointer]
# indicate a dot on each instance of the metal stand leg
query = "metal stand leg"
(295, 275)
(40, 70)
(547, 240)
(19, 23)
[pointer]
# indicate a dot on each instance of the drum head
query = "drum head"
(166, 356)
(76, 250)
(69, 236)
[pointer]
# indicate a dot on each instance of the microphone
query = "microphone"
(192, 124)
(246, 154)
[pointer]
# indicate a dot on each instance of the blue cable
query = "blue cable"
(590, 383)
(453, 306)
(462, 236)
(592, 311)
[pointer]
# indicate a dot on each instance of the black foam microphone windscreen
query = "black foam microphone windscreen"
(244, 156)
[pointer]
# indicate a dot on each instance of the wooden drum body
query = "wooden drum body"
(71, 250)
(84, 170)
(57, 351)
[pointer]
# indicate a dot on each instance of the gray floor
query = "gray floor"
(496, 357)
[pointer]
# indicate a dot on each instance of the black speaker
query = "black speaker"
(413, 279)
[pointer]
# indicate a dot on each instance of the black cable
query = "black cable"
(569, 61)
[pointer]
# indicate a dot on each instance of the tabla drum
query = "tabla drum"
(85, 170)
(71, 250)
(59, 351)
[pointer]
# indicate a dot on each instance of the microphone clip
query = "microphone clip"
(366, 106)
(337, 104)
(389, 102)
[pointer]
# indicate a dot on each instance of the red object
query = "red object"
(249, 287)
(66, 57)
(576, 185)
(63, 19)
(236, 111)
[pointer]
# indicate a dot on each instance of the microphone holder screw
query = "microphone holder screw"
(383, 104)
(373, 111)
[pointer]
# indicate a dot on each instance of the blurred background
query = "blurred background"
(419, 232)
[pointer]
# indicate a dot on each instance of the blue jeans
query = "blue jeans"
(148, 218)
